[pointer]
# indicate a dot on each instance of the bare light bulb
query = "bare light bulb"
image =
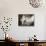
(7, 35)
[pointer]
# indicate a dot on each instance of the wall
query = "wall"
(11, 8)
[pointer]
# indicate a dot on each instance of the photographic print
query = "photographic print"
(36, 3)
(26, 19)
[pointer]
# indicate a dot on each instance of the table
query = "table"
(28, 43)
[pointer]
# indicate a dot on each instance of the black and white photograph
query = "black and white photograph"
(36, 3)
(26, 19)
